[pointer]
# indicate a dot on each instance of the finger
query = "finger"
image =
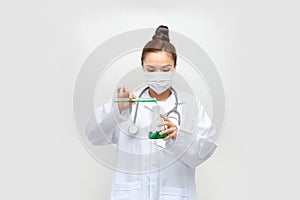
(123, 90)
(119, 92)
(160, 124)
(170, 136)
(132, 96)
(164, 117)
(126, 90)
(119, 89)
(165, 123)
(169, 131)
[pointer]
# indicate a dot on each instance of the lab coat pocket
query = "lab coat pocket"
(129, 190)
(172, 193)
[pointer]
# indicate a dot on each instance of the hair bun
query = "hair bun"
(161, 33)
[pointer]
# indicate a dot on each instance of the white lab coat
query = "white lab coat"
(154, 169)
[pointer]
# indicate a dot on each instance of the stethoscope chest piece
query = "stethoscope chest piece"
(133, 129)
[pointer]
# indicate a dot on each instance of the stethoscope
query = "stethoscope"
(133, 128)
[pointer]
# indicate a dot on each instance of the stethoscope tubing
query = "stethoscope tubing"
(166, 114)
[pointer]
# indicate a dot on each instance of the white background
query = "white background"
(254, 45)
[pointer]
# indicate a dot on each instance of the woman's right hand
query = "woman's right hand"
(122, 92)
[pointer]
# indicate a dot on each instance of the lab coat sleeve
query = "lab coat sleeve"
(101, 127)
(195, 144)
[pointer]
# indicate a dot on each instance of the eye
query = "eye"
(166, 70)
(151, 70)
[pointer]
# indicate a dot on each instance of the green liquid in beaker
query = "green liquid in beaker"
(156, 135)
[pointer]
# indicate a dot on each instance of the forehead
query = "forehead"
(160, 58)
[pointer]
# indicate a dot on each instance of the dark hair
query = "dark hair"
(160, 42)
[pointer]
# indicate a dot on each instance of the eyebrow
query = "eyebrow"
(151, 66)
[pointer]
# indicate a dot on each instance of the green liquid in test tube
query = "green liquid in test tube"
(135, 100)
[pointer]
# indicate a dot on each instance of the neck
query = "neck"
(160, 97)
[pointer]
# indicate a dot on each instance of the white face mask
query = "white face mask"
(159, 81)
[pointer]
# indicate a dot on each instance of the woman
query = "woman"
(155, 168)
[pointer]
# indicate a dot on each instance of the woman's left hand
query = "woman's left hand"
(171, 129)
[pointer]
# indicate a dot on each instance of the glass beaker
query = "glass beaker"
(154, 129)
